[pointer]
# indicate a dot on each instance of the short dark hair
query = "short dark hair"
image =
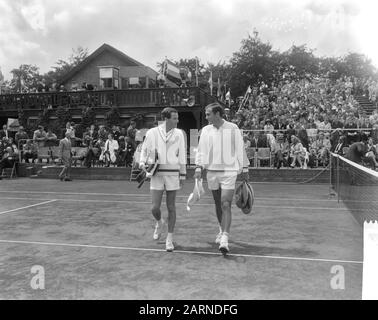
(166, 113)
(215, 107)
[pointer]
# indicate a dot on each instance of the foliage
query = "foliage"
(257, 62)
(44, 117)
(63, 67)
(254, 62)
(302, 60)
(22, 118)
(63, 115)
(88, 117)
(26, 77)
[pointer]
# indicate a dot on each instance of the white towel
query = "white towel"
(197, 193)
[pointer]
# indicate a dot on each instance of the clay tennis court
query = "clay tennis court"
(94, 241)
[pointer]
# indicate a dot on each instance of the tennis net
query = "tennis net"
(356, 186)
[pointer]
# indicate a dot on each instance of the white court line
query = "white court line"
(147, 195)
(176, 251)
(33, 205)
(195, 205)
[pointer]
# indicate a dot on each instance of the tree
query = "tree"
(254, 61)
(25, 78)
(357, 65)
(302, 60)
(63, 67)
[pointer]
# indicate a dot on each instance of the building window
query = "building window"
(106, 83)
(109, 77)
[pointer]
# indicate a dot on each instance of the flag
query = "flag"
(1, 77)
(164, 68)
(245, 98)
(1, 81)
(172, 70)
(22, 84)
(219, 93)
(211, 82)
(228, 95)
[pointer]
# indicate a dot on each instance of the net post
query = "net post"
(338, 179)
(330, 174)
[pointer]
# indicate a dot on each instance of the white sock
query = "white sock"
(170, 236)
(160, 222)
(225, 235)
(220, 229)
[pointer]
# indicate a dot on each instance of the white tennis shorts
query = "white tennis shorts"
(168, 183)
(221, 179)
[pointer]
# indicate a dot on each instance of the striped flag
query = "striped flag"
(172, 70)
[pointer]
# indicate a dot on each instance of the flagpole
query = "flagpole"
(196, 71)
(218, 90)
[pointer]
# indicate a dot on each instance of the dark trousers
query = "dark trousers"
(280, 159)
(89, 158)
(121, 158)
(29, 155)
(6, 163)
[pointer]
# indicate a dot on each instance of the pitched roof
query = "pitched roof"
(138, 71)
(105, 47)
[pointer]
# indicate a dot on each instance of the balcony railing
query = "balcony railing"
(104, 98)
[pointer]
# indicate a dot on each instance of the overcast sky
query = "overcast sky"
(42, 31)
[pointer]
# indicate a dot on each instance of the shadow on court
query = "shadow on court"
(93, 240)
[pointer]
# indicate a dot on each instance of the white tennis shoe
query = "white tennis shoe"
(218, 238)
(223, 246)
(169, 245)
(159, 228)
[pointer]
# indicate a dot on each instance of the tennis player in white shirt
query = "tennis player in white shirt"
(169, 143)
(221, 152)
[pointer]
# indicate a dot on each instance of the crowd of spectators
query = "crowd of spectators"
(316, 112)
(42, 86)
(106, 146)
(300, 121)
